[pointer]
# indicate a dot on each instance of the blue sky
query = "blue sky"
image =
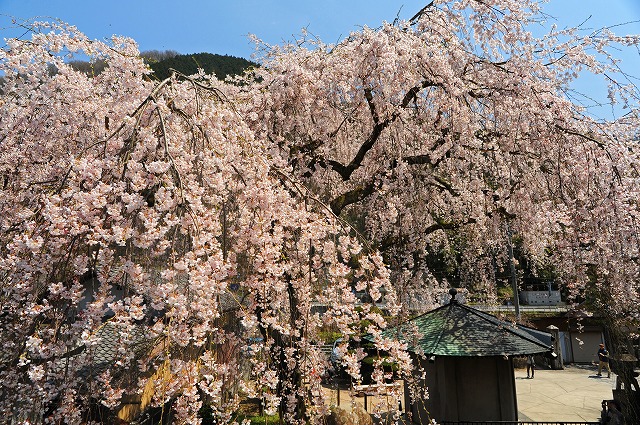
(192, 26)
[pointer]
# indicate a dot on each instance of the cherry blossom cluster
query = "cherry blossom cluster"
(145, 229)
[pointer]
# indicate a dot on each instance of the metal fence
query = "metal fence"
(518, 423)
(524, 308)
(326, 349)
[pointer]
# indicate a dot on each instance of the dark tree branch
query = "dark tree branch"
(448, 225)
(390, 241)
(446, 185)
(356, 195)
(368, 94)
(346, 171)
(582, 135)
(351, 197)
(421, 12)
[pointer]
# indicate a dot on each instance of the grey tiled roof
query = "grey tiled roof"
(459, 330)
(106, 352)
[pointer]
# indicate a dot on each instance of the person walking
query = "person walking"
(530, 365)
(603, 360)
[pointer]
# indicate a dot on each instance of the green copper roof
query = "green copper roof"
(458, 330)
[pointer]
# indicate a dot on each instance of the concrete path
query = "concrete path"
(572, 394)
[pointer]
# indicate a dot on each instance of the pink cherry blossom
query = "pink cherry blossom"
(192, 238)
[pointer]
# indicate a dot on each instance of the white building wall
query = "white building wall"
(540, 297)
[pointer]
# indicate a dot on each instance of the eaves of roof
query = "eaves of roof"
(458, 330)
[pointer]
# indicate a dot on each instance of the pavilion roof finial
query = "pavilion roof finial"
(453, 292)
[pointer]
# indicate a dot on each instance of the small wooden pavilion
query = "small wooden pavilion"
(468, 358)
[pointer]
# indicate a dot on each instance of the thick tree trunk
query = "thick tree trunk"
(290, 385)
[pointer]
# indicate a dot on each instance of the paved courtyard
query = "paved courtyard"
(572, 394)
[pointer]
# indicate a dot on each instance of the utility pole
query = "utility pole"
(512, 267)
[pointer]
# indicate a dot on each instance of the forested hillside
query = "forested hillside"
(220, 65)
(162, 61)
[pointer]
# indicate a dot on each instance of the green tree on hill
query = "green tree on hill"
(163, 61)
(220, 65)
